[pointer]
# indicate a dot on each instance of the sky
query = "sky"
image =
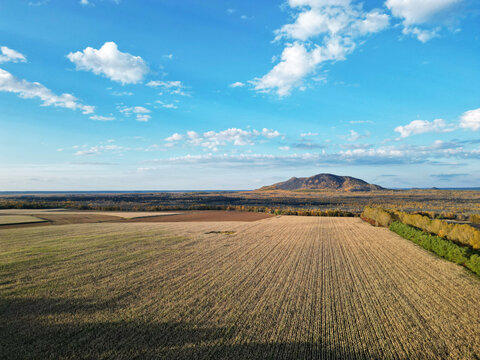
(230, 94)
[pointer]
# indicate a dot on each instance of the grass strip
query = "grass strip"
(462, 255)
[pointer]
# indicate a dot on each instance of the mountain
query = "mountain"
(324, 182)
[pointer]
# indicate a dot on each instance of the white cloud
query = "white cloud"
(471, 120)
(354, 136)
(361, 122)
(110, 62)
(122, 93)
(418, 12)
(99, 149)
(10, 55)
(423, 35)
(170, 106)
(135, 109)
(334, 24)
(141, 113)
(296, 63)
(212, 140)
(308, 134)
(166, 105)
(38, 3)
(30, 90)
(269, 134)
(102, 118)
(84, 2)
(284, 148)
(165, 84)
(373, 22)
(423, 126)
(237, 84)
(435, 154)
(140, 110)
(143, 117)
(172, 87)
(373, 153)
(174, 137)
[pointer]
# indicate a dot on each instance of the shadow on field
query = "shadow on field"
(67, 329)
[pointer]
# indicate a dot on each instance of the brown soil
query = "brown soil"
(188, 216)
(205, 216)
(62, 219)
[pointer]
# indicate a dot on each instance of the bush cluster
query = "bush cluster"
(458, 254)
(475, 218)
(460, 233)
(377, 216)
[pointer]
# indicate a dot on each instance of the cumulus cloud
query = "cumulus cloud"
(111, 63)
(30, 90)
(415, 13)
(471, 120)
(418, 11)
(237, 84)
(296, 63)
(212, 140)
(323, 30)
(10, 55)
(174, 137)
(423, 126)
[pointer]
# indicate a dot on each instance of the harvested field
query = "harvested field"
(120, 214)
(279, 288)
(18, 219)
(84, 217)
(28, 211)
(206, 216)
(67, 218)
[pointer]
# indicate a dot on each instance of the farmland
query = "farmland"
(461, 203)
(18, 219)
(279, 287)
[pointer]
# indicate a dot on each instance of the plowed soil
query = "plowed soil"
(206, 216)
(65, 217)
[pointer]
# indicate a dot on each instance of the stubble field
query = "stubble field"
(278, 288)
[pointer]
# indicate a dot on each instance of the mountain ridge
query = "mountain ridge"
(324, 182)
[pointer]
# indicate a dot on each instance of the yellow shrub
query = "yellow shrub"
(461, 233)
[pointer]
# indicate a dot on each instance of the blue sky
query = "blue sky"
(225, 94)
